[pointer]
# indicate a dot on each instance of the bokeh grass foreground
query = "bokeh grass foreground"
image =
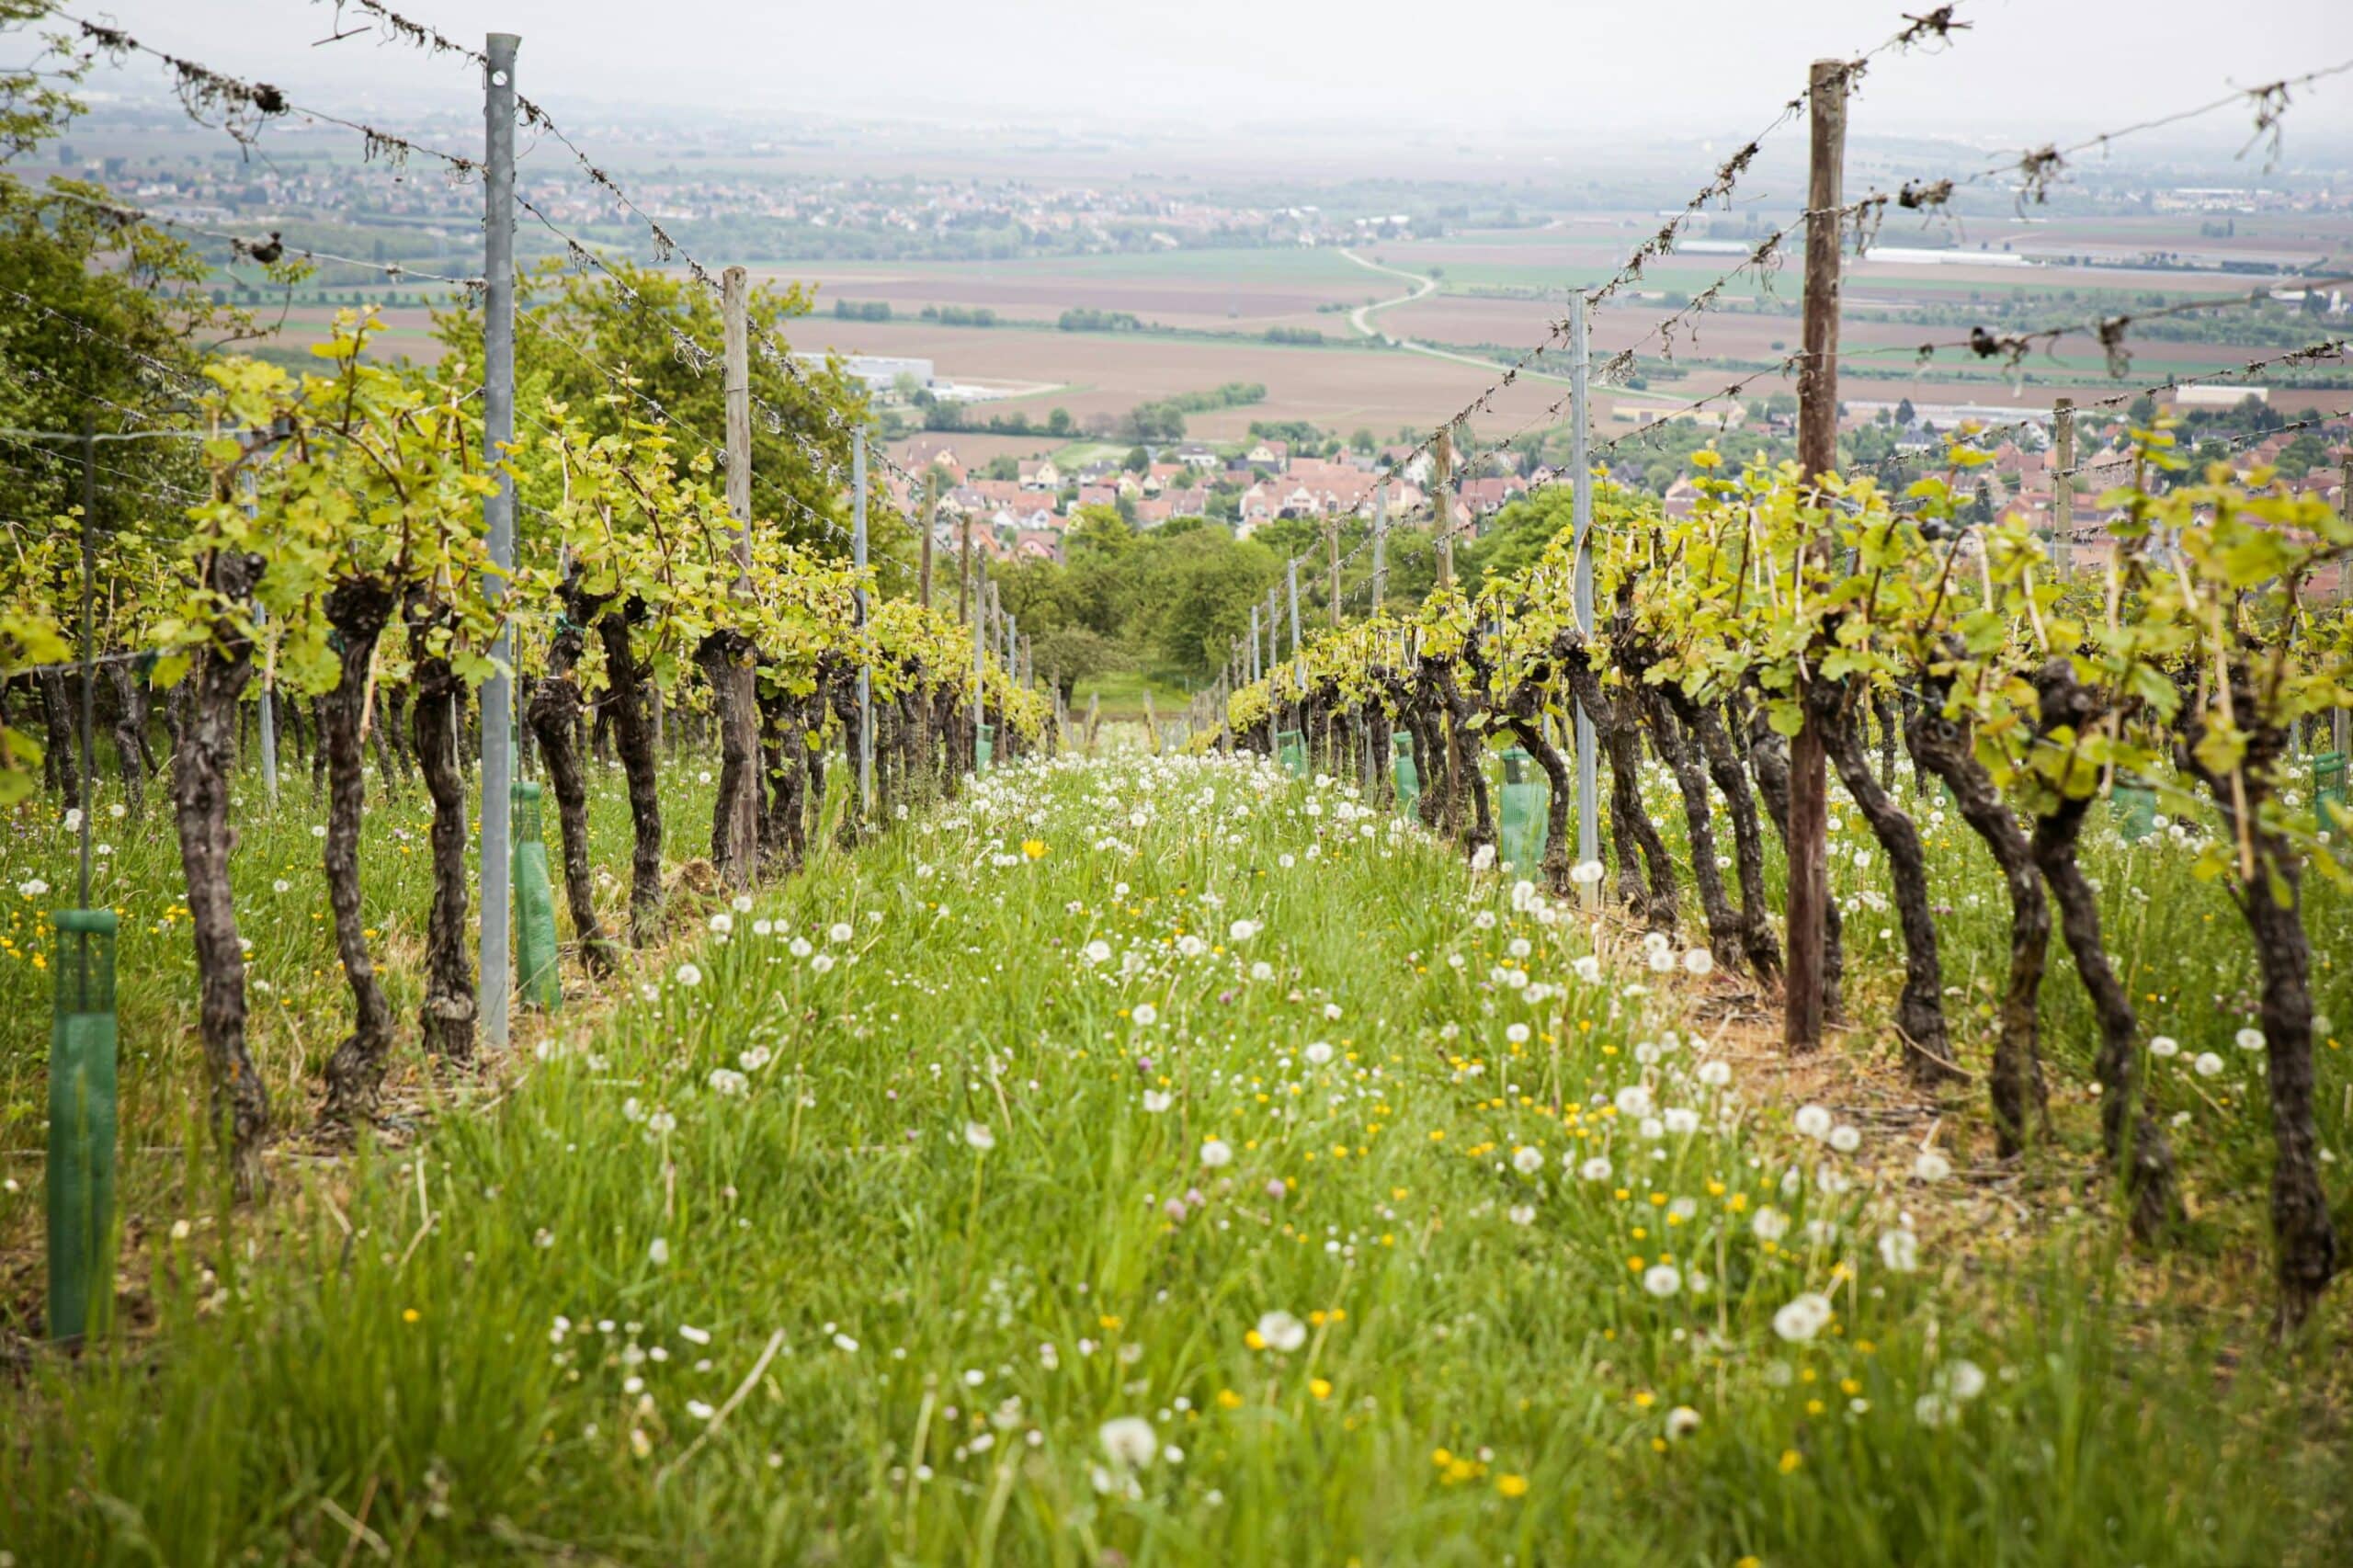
(1162, 1160)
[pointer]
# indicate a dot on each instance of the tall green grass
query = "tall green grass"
(947, 1220)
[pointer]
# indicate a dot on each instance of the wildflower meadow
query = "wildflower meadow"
(1169, 1158)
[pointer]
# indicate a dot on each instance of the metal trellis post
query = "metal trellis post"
(498, 515)
(1299, 666)
(1581, 488)
(865, 655)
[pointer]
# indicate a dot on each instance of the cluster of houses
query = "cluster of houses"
(1026, 516)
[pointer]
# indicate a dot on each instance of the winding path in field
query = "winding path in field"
(1423, 288)
(1361, 317)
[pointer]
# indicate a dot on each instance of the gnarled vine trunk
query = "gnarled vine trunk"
(1691, 783)
(1559, 785)
(64, 756)
(634, 738)
(2269, 892)
(1456, 712)
(447, 1012)
(132, 757)
(202, 769)
(2136, 1147)
(784, 831)
(554, 714)
(1630, 833)
(1748, 838)
(1919, 1007)
(2021, 1100)
(355, 1073)
(726, 659)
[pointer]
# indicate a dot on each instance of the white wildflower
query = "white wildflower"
(1803, 1318)
(1280, 1330)
(1129, 1441)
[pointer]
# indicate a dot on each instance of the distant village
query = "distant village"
(1025, 513)
(1027, 516)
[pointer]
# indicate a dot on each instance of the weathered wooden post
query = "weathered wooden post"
(1442, 505)
(2062, 488)
(1332, 548)
(964, 572)
(930, 525)
(1807, 831)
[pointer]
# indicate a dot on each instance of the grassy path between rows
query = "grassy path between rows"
(1147, 1161)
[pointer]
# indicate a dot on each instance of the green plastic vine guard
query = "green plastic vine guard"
(2135, 806)
(538, 975)
(1408, 776)
(985, 749)
(1522, 825)
(2328, 788)
(1290, 749)
(82, 1124)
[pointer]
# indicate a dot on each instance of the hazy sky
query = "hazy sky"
(1517, 68)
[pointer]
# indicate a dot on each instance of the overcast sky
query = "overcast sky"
(2029, 69)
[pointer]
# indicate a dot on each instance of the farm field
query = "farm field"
(1241, 289)
(1336, 387)
(1247, 291)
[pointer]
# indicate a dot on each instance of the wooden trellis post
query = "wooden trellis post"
(1807, 831)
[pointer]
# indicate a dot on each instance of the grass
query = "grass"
(295, 991)
(852, 1237)
(1121, 694)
